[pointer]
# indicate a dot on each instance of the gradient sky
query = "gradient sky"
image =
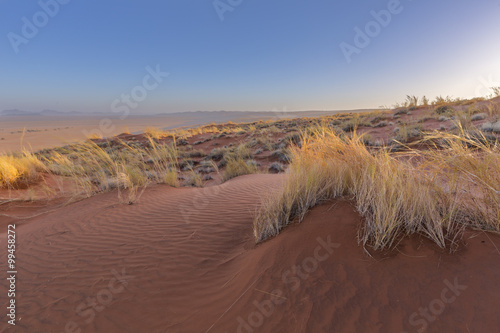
(264, 55)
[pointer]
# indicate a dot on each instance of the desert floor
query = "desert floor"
(184, 260)
(51, 131)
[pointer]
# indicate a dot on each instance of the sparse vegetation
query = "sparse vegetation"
(491, 127)
(411, 101)
(444, 110)
(276, 167)
(19, 170)
(441, 101)
(395, 197)
(129, 163)
(406, 131)
(478, 116)
(237, 167)
(400, 112)
(194, 179)
(95, 136)
(380, 124)
(96, 168)
(496, 91)
(155, 133)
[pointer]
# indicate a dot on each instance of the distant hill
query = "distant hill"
(57, 113)
(16, 112)
(190, 118)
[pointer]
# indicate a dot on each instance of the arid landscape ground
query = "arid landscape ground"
(49, 129)
(376, 221)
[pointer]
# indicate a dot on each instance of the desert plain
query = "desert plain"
(175, 224)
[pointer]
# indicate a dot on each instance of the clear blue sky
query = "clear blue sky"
(263, 55)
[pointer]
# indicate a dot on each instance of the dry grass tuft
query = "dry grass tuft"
(19, 170)
(96, 168)
(156, 133)
(237, 166)
(469, 164)
(456, 185)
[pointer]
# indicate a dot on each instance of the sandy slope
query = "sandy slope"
(184, 260)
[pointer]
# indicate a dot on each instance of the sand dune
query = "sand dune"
(184, 260)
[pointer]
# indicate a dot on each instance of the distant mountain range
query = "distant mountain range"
(193, 114)
(17, 112)
(169, 120)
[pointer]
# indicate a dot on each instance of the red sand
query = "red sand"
(188, 263)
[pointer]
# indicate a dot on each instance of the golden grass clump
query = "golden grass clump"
(237, 166)
(123, 167)
(95, 136)
(396, 194)
(469, 164)
(126, 130)
(19, 170)
(156, 133)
